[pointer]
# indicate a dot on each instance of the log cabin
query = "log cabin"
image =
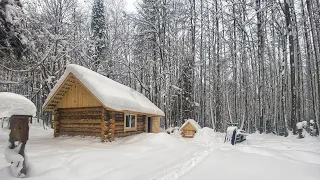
(87, 103)
(189, 128)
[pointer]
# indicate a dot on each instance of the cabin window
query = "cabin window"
(131, 121)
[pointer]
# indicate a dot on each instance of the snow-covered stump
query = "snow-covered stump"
(300, 126)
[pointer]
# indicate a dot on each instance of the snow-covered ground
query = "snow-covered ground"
(163, 156)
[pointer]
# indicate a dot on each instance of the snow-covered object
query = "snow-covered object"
(15, 104)
(230, 130)
(300, 125)
(304, 123)
(173, 130)
(193, 123)
(111, 93)
(12, 156)
(205, 134)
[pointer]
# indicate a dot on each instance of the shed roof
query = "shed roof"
(110, 93)
(193, 123)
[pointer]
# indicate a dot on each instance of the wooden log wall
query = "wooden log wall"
(119, 130)
(94, 121)
(79, 121)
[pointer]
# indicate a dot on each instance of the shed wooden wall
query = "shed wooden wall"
(155, 125)
(78, 96)
(188, 130)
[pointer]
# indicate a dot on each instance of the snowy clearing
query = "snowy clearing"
(163, 156)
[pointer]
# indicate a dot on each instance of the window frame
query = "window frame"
(125, 122)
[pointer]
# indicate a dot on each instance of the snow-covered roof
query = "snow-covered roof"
(15, 104)
(111, 93)
(193, 123)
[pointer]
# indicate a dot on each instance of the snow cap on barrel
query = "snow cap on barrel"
(15, 104)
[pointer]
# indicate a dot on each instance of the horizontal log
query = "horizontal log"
(119, 128)
(140, 129)
(79, 121)
(87, 109)
(112, 126)
(124, 134)
(80, 134)
(67, 114)
(80, 117)
(64, 129)
(119, 124)
(80, 125)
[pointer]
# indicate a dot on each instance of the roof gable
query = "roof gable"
(193, 123)
(78, 96)
(110, 93)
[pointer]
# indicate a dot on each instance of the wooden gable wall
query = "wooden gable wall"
(78, 96)
(188, 127)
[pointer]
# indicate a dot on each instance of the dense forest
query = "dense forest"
(251, 62)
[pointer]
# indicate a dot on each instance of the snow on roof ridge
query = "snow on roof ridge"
(111, 93)
(193, 123)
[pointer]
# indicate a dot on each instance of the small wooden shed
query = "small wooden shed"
(189, 128)
(87, 103)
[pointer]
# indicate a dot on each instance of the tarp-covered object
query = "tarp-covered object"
(15, 104)
(110, 93)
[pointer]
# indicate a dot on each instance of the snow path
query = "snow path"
(207, 143)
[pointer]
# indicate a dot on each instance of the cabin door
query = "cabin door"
(149, 124)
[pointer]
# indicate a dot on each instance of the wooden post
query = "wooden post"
(112, 126)
(103, 124)
(56, 123)
(19, 126)
(145, 123)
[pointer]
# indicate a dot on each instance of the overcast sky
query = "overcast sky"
(131, 5)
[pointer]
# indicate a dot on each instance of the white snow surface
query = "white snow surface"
(15, 104)
(161, 156)
(111, 93)
(12, 156)
(193, 123)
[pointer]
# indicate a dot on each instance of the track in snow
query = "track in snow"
(180, 169)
